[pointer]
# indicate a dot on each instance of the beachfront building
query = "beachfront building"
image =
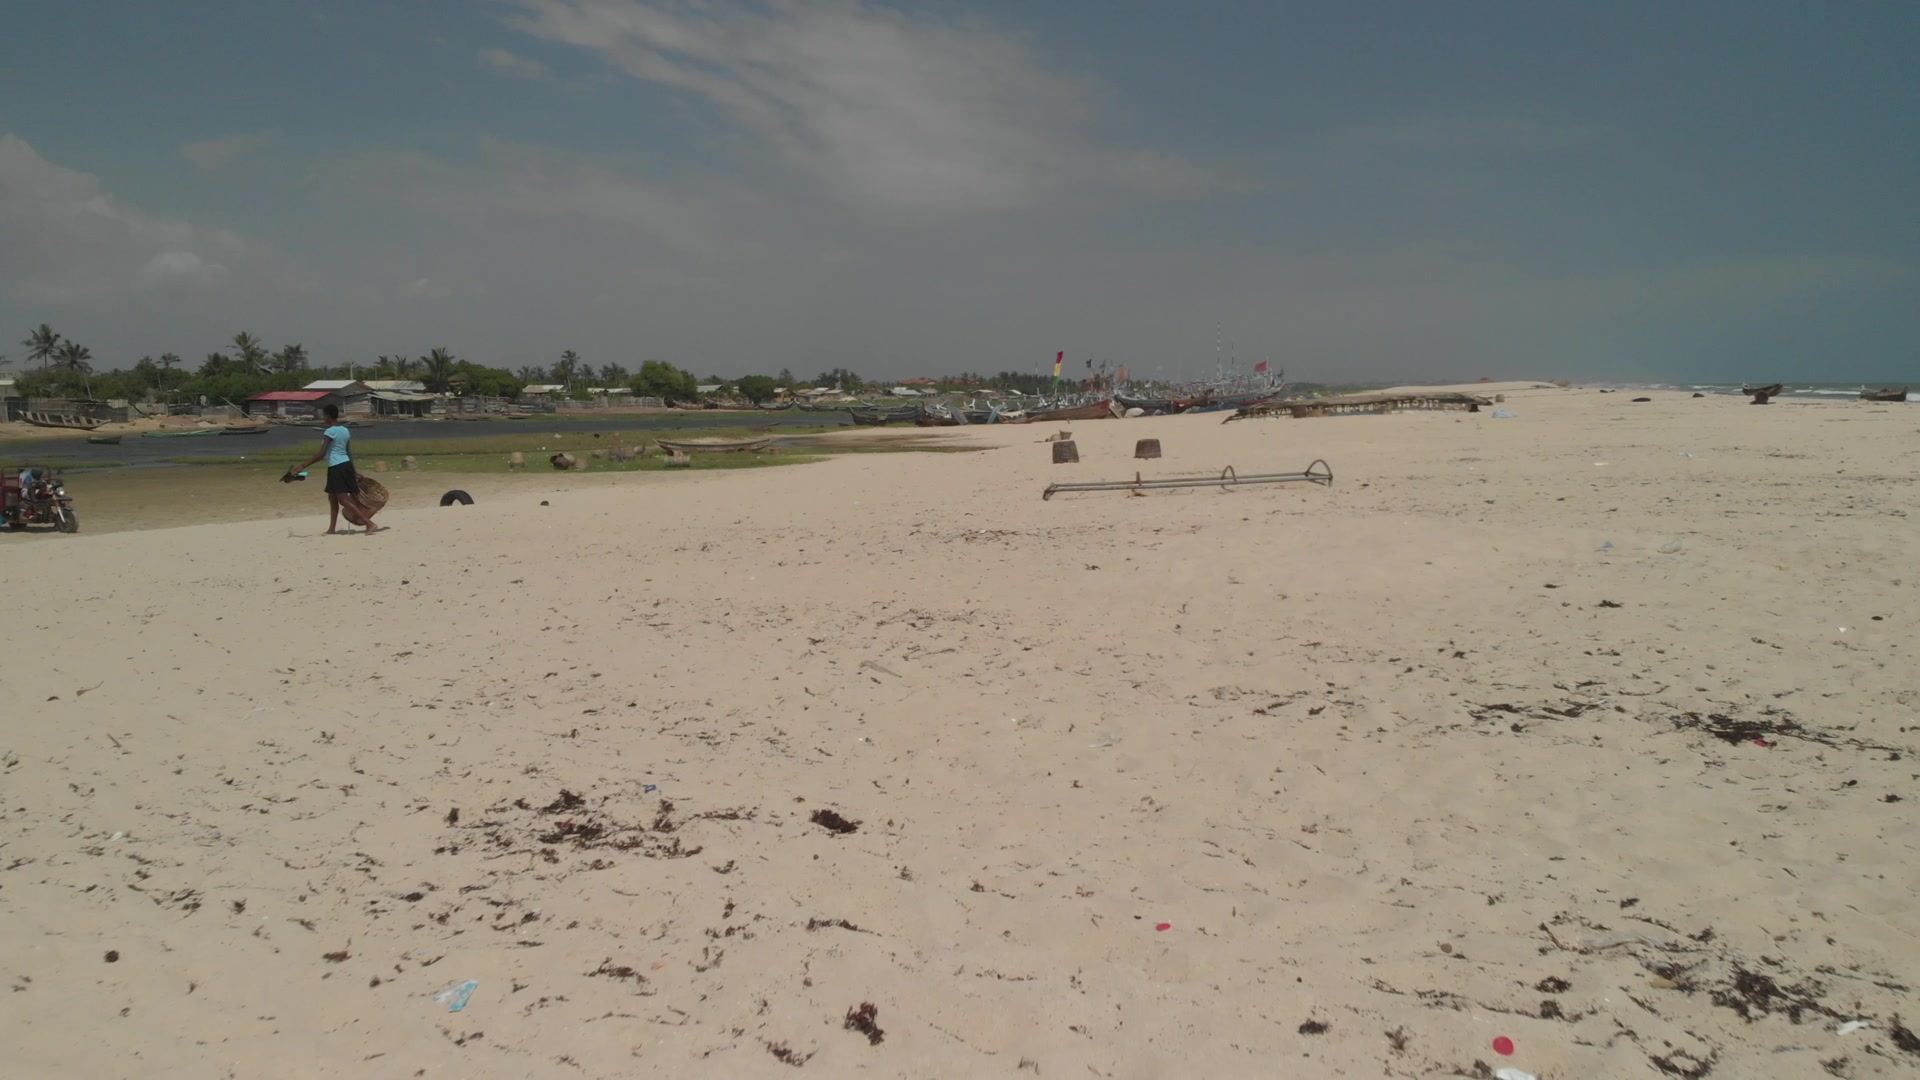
(293, 404)
(401, 397)
(543, 391)
(354, 397)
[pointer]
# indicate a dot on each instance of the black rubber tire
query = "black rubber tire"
(69, 522)
(456, 496)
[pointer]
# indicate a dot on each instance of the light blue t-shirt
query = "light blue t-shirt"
(337, 438)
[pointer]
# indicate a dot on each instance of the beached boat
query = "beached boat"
(104, 440)
(71, 421)
(1156, 406)
(243, 429)
(1097, 410)
(940, 416)
(881, 417)
(189, 433)
(712, 446)
(1885, 393)
(1771, 389)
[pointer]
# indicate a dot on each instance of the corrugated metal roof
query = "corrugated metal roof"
(292, 395)
(397, 395)
(333, 384)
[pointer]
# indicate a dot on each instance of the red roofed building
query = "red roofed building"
(290, 402)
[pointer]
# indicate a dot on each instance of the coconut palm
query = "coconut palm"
(251, 355)
(42, 344)
(73, 358)
(439, 370)
(291, 360)
(566, 369)
(532, 376)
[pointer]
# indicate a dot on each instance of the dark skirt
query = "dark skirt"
(342, 480)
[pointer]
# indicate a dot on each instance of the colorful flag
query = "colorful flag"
(1121, 374)
(1259, 367)
(1058, 359)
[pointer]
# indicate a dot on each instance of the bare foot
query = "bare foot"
(372, 528)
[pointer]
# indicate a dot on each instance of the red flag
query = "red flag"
(1259, 367)
(1058, 359)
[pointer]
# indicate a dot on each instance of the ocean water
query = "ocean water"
(1816, 391)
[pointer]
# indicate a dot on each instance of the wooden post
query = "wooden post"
(1146, 448)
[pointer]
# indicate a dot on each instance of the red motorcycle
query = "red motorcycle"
(35, 495)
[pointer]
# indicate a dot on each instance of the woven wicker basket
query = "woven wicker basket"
(373, 494)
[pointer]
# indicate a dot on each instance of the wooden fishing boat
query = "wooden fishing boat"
(243, 429)
(712, 446)
(882, 417)
(70, 421)
(1098, 410)
(1885, 393)
(1771, 389)
(189, 433)
(104, 440)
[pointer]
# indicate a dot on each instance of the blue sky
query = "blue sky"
(1704, 191)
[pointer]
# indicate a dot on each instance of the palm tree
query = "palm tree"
(250, 353)
(168, 361)
(564, 371)
(292, 359)
(614, 375)
(74, 358)
(439, 370)
(42, 344)
(403, 365)
(532, 376)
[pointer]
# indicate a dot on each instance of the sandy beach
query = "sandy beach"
(1586, 734)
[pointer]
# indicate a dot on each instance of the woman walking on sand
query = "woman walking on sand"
(343, 483)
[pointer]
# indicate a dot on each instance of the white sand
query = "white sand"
(1269, 718)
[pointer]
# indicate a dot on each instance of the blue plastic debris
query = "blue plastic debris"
(455, 997)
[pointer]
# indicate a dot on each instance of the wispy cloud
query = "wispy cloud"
(65, 239)
(514, 64)
(214, 155)
(876, 106)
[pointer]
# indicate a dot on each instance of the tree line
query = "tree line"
(247, 366)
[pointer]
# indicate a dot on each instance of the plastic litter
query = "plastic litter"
(648, 789)
(1163, 926)
(1607, 546)
(1101, 742)
(1852, 1026)
(1503, 1046)
(455, 997)
(1502, 414)
(1513, 1074)
(1669, 547)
